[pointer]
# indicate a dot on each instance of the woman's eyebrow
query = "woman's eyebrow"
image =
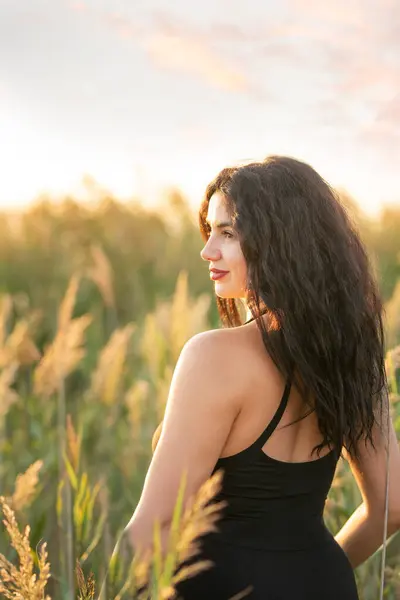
(219, 224)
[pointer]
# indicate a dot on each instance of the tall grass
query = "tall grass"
(152, 574)
(76, 432)
(22, 582)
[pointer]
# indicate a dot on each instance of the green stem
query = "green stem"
(67, 545)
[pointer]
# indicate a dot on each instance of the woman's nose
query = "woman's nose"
(210, 252)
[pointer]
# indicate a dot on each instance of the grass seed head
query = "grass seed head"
(26, 486)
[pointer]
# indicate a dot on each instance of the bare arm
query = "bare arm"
(363, 533)
(203, 403)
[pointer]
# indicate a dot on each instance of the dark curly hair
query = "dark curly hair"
(309, 271)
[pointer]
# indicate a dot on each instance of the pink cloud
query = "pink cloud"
(173, 45)
(192, 57)
(357, 42)
(360, 57)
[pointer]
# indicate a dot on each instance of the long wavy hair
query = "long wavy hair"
(309, 272)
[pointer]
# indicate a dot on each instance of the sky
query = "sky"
(146, 94)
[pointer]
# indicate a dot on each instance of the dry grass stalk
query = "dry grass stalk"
(180, 316)
(87, 588)
(153, 346)
(73, 444)
(141, 569)
(66, 351)
(7, 396)
(25, 487)
(102, 275)
(68, 303)
(198, 314)
(171, 326)
(22, 583)
(19, 346)
(200, 517)
(138, 574)
(187, 316)
(162, 315)
(108, 374)
(61, 357)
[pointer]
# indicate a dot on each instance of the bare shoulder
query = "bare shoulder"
(214, 363)
(234, 357)
(221, 352)
(231, 345)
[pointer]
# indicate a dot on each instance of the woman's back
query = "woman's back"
(263, 391)
(274, 497)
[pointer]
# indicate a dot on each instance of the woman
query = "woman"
(275, 401)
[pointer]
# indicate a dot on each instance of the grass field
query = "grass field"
(76, 423)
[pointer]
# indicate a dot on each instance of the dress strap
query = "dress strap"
(272, 425)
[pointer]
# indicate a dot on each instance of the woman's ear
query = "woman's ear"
(156, 437)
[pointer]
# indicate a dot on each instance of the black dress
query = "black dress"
(271, 539)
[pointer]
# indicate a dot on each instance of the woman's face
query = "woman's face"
(223, 251)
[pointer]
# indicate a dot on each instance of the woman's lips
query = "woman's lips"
(215, 275)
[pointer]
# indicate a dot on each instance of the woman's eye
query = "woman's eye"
(227, 233)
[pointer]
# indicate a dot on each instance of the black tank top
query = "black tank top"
(271, 504)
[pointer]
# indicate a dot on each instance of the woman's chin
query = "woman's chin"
(225, 293)
(220, 291)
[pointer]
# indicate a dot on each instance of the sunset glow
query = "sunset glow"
(142, 97)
